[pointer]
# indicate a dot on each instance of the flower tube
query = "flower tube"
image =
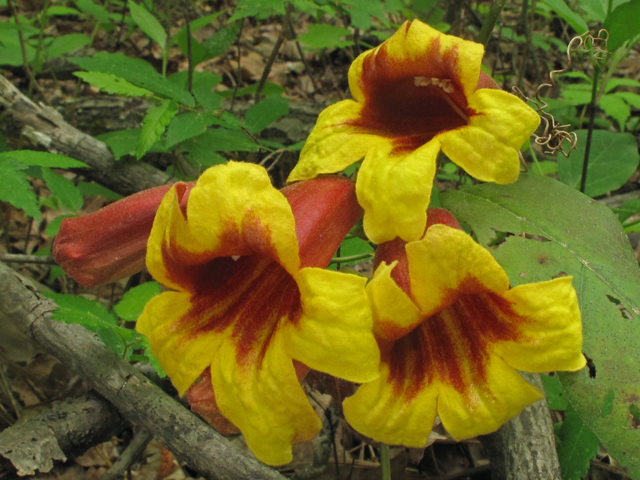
(419, 92)
(111, 243)
(452, 335)
(247, 299)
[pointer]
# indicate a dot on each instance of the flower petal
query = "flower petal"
(488, 147)
(170, 232)
(234, 210)
(247, 297)
(264, 399)
(390, 415)
(485, 406)
(183, 356)
(553, 331)
(447, 263)
(394, 313)
(335, 142)
(416, 50)
(334, 334)
(394, 191)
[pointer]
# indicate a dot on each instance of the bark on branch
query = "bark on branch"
(67, 430)
(46, 128)
(525, 446)
(137, 399)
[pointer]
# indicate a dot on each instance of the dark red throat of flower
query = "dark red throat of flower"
(411, 102)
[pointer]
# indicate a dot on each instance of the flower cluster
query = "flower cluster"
(250, 306)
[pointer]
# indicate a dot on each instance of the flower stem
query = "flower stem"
(490, 21)
(587, 147)
(351, 258)
(385, 463)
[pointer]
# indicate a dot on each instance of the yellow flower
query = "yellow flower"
(452, 335)
(417, 93)
(247, 299)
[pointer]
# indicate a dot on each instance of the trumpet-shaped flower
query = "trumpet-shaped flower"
(110, 243)
(417, 93)
(452, 335)
(248, 299)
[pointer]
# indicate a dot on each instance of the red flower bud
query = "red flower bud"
(111, 243)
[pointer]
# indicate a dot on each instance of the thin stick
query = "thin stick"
(18, 258)
(385, 462)
(9, 393)
(490, 21)
(25, 60)
(352, 258)
(587, 147)
(274, 53)
(189, 53)
(133, 451)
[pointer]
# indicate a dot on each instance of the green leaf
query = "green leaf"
(595, 8)
(354, 246)
(63, 189)
(203, 83)
(121, 142)
(16, 189)
(568, 15)
(582, 238)
(219, 42)
(186, 126)
(578, 446)
(627, 209)
(135, 71)
(623, 23)
(554, 393)
(222, 140)
(260, 9)
(194, 26)
(263, 114)
(87, 188)
(621, 82)
(76, 309)
(133, 302)
(148, 23)
(616, 107)
(361, 12)
(93, 316)
(613, 158)
(58, 10)
(54, 225)
(545, 167)
(631, 98)
(321, 35)
(153, 361)
(269, 89)
(576, 97)
(43, 159)
(66, 44)
(111, 84)
(97, 11)
(154, 124)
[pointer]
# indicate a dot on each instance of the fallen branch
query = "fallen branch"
(46, 128)
(67, 430)
(525, 446)
(137, 399)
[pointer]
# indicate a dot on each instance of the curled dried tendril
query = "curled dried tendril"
(554, 135)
